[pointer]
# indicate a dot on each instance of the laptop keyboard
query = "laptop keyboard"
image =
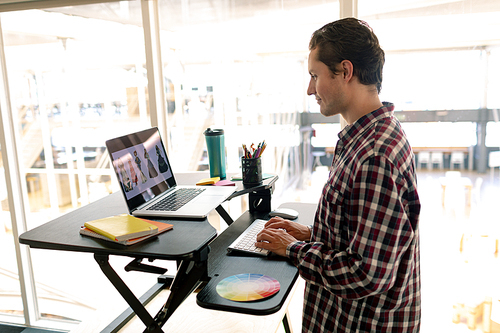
(246, 241)
(177, 199)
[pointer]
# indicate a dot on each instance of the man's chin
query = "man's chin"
(327, 113)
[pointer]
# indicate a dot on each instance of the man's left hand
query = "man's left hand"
(274, 240)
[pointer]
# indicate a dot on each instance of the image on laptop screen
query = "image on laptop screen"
(142, 167)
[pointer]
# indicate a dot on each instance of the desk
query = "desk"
(187, 243)
(467, 151)
(199, 312)
(444, 150)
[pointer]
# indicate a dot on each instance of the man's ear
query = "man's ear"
(348, 70)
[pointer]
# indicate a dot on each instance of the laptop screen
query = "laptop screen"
(141, 166)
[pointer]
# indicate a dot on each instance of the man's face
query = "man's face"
(325, 86)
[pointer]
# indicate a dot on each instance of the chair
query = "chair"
(424, 157)
(457, 157)
(317, 158)
(437, 158)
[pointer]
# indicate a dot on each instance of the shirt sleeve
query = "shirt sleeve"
(378, 234)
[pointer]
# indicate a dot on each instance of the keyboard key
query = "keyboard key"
(246, 241)
(177, 199)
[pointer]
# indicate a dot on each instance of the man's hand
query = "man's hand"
(279, 233)
(299, 231)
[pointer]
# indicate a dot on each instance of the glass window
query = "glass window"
(494, 80)
(10, 293)
(325, 135)
(441, 134)
(240, 68)
(493, 134)
(443, 87)
(75, 81)
(443, 55)
(77, 78)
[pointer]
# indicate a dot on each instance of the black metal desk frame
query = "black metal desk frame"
(190, 273)
(188, 276)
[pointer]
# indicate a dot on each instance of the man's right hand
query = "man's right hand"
(298, 231)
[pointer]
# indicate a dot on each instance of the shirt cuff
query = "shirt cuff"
(294, 250)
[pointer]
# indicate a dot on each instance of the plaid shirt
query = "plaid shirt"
(362, 265)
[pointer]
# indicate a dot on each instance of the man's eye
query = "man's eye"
(314, 77)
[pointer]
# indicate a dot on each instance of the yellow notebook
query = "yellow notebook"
(162, 227)
(122, 227)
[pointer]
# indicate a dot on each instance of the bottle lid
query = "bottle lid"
(213, 132)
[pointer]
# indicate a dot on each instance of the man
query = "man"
(360, 259)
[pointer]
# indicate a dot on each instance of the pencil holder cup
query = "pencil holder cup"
(251, 169)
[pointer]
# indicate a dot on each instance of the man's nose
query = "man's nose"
(310, 88)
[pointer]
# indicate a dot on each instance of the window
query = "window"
(10, 293)
(76, 79)
(239, 68)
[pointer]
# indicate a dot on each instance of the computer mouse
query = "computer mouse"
(285, 213)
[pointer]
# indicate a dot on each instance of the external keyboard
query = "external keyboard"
(176, 200)
(246, 241)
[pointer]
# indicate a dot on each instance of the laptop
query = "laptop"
(148, 182)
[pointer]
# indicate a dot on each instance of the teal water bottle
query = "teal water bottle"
(216, 152)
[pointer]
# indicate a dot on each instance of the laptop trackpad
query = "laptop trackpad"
(208, 199)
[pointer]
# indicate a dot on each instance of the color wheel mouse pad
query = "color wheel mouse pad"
(247, 287)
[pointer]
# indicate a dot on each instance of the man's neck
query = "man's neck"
(364, 100)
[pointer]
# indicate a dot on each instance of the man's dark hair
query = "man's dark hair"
(350, 39)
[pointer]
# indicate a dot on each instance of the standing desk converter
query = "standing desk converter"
(189, 243)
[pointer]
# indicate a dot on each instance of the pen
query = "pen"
(253, 152)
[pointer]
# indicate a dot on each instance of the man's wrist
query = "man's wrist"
(310, 227)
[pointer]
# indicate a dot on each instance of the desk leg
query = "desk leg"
(135, 304)
(224, 214)
(287, 324)
(188, 276)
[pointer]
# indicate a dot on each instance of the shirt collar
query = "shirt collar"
(348, 133)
